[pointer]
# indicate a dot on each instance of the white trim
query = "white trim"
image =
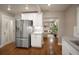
(5, 44)
(1, 46)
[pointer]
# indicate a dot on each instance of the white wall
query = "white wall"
(70, 20)
(6, 28)
(58, 15)
(0, 29)
(77, 15)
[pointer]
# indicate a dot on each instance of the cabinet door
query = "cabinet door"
(33, 39)
(5, 29)
(39, 38)
(36, 40)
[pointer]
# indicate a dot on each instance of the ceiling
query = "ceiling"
(54, 7)
(19, 8)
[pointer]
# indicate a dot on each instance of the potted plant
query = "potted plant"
(54, 29)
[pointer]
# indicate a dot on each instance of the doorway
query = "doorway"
(7, 30)
(51, 29)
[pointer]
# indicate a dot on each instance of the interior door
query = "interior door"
(10, 31)
(7, 30)
(4, 29)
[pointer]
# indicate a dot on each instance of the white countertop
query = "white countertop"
(70, 39)
(37, 33)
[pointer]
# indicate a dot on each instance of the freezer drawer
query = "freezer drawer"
(22, 43)
(18, 43)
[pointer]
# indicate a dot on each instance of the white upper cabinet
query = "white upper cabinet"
(36, 17)
(28, 16)
(38, 21)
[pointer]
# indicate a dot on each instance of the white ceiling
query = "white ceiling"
(54, 7)
(19, 8)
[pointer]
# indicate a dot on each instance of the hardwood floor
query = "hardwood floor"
(11, 49)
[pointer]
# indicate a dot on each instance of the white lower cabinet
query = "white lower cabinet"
(36, 40)
(68, 49)
(65, 50)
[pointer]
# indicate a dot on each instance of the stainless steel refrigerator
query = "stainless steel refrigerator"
(23, 33)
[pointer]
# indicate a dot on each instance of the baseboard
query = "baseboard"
(5, 44)
(1, 46)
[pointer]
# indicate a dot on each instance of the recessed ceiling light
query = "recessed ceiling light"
(9, 8)
(49, 4)
(26, 7)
